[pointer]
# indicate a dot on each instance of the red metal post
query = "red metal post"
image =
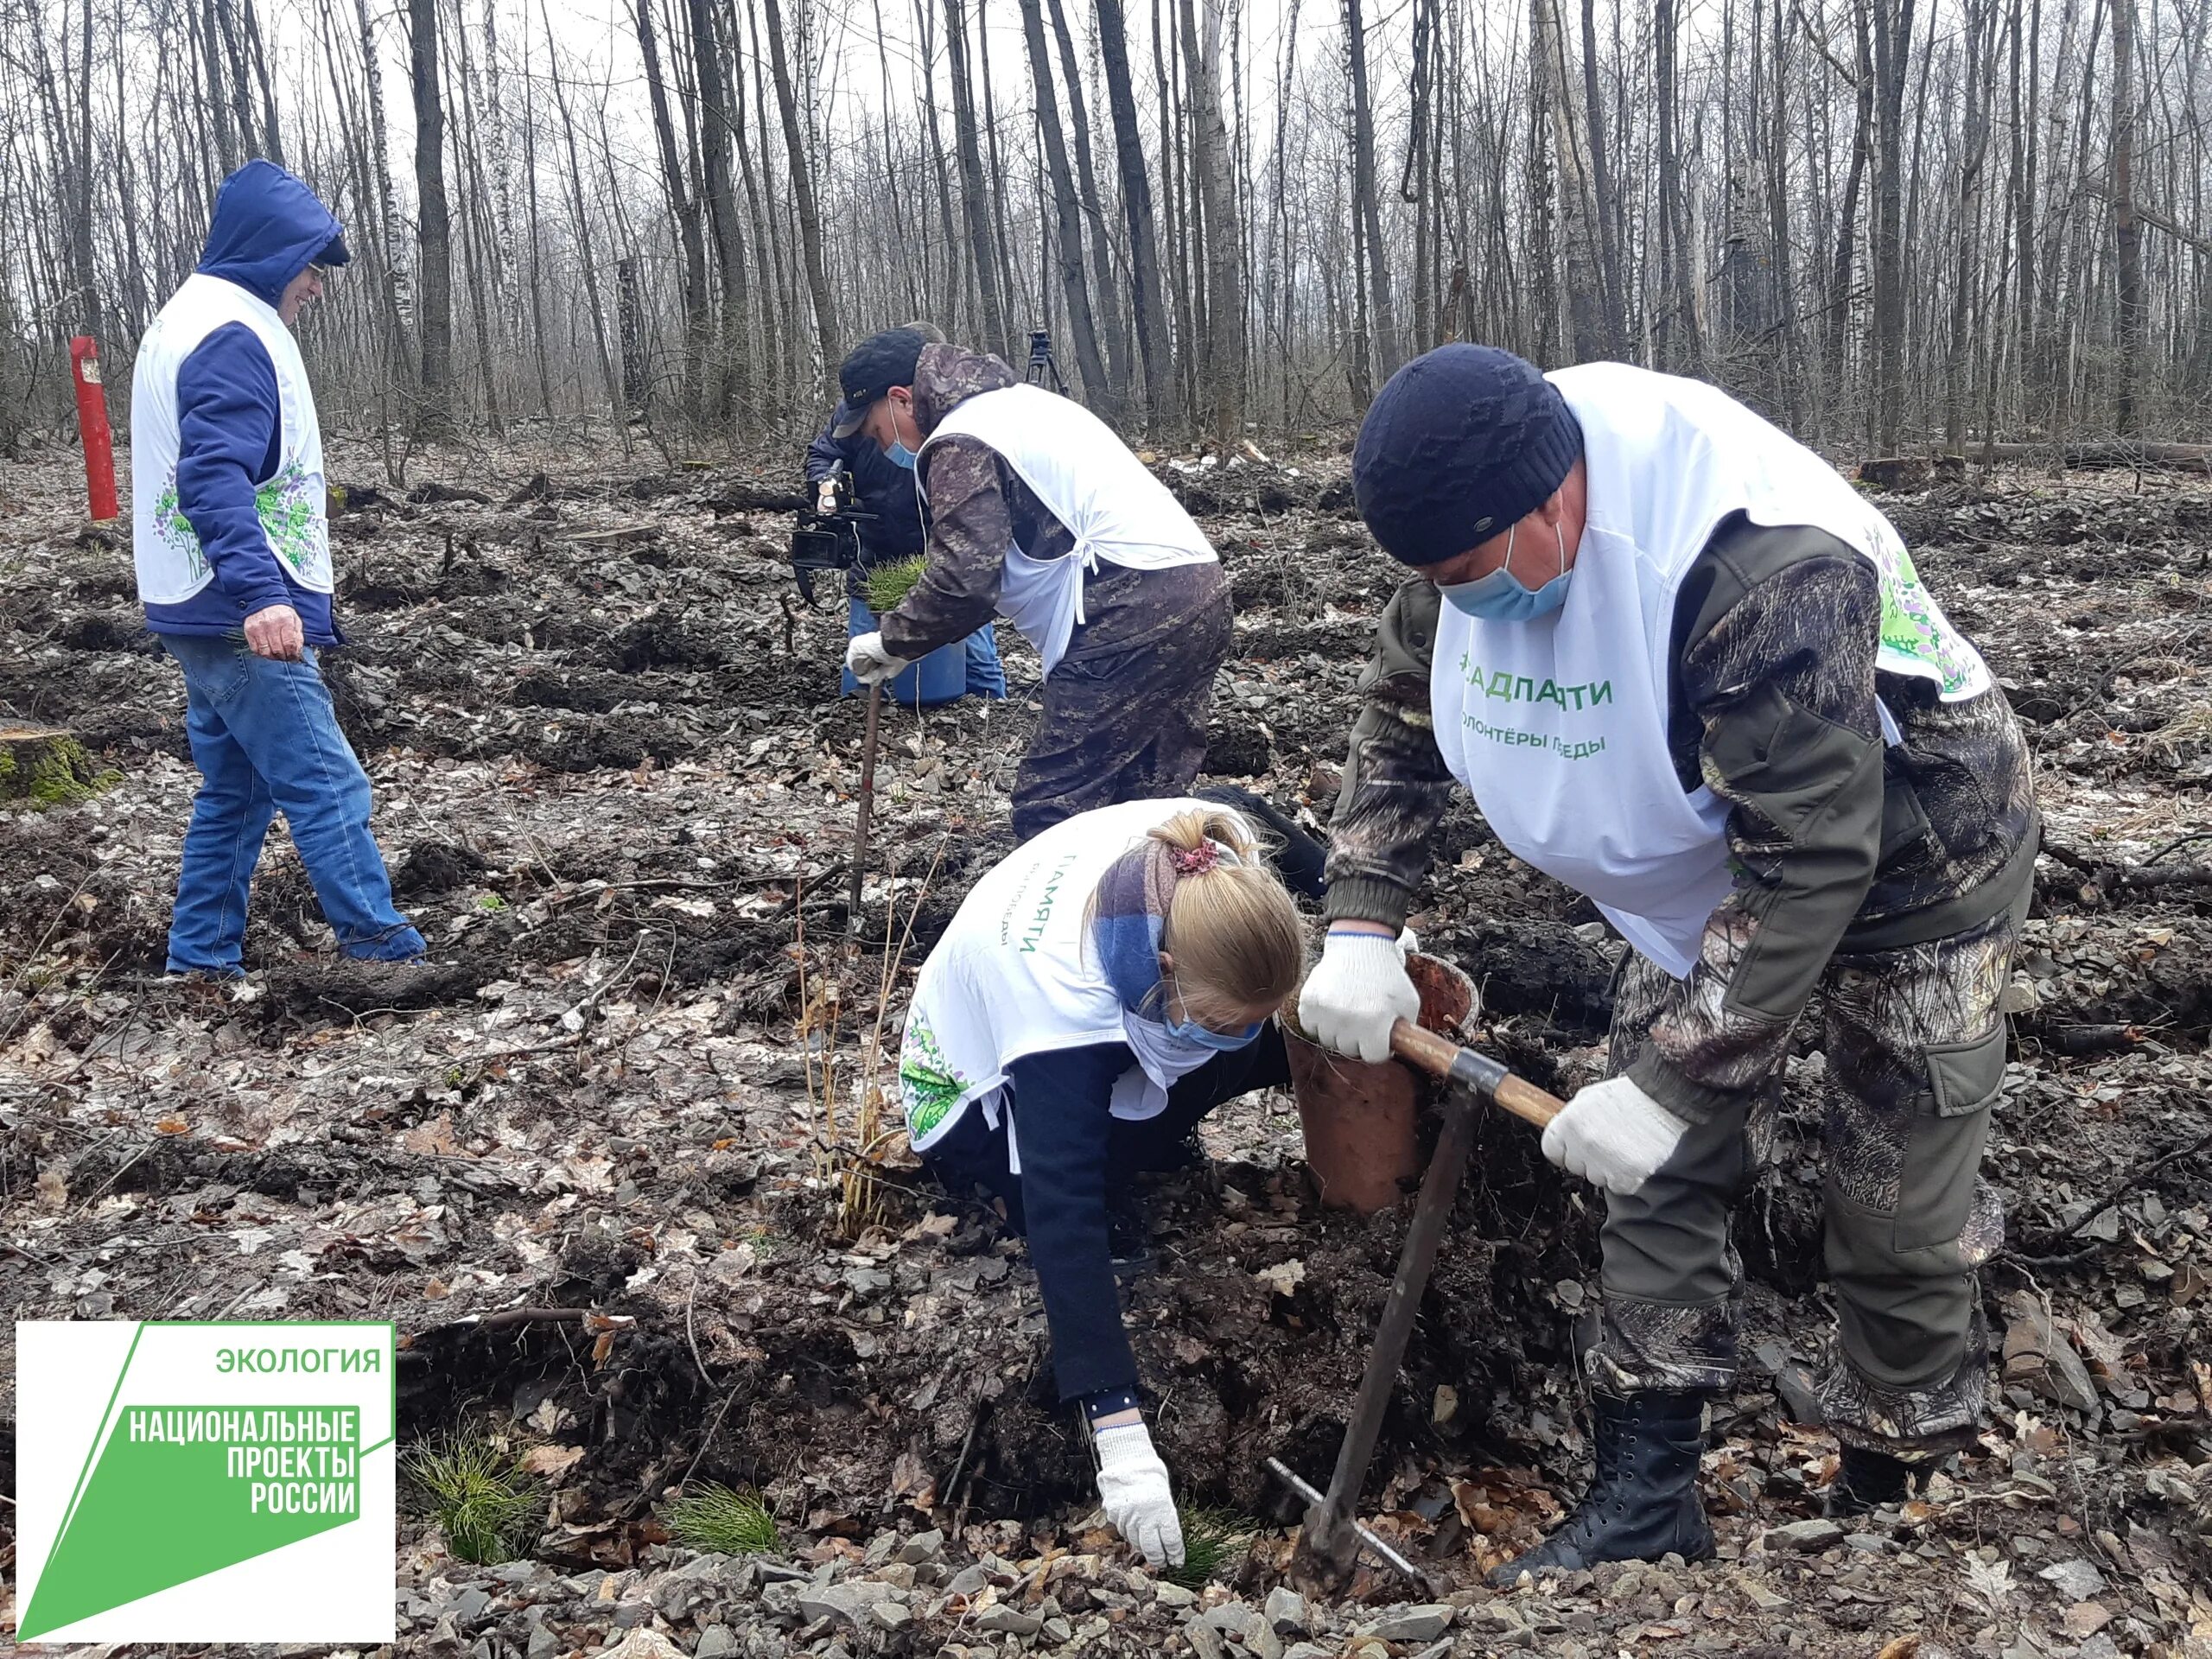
(92, 425)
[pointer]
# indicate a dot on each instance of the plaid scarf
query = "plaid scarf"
(1132, 913)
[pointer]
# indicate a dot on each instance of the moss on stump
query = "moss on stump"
(42, 766)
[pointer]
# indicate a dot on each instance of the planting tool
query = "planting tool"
(1332, 1536)
(868, 807)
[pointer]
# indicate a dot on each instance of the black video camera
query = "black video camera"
(828, 541)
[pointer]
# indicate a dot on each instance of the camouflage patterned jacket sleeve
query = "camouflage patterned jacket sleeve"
(1773, 705)
(1395, 786)
(969, 528)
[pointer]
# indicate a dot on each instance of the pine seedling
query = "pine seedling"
(888, 584)
(1213, 1541)
(718, 1520)
(483, 1500)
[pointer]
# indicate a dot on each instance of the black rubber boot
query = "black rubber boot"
(1868, 1480)
(1642, 1502)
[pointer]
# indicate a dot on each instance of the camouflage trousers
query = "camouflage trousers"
(1128, 723)
(1915, 1044)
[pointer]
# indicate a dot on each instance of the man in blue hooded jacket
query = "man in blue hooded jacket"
(232, 552)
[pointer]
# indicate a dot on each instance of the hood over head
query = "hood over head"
(947, 376)
(269, 227)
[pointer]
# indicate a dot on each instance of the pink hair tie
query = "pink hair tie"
(1197, 859)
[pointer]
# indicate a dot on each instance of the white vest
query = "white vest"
(1117, 511)
(1558, 725)
(1015, 975)
(171, 567)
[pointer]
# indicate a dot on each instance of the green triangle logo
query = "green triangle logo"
(181, 1491)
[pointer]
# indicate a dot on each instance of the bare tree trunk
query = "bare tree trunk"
(683, 210)
(585, 257)
(1602, 206)
(1113, 321)
(1975, 137)
(2127, 244)
(1150, 303)
(272, 140)
(732, 384)
(1366, 206)
(1225, 338)
(975, 201)
(1068, 210)
(827, 332)
(434, 238)
(1589, 335)
(1892, 38)
(997, 176)
(1676, 344)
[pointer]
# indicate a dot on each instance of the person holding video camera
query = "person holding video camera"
(884, 489)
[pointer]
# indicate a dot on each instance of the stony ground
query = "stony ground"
(612, 1164)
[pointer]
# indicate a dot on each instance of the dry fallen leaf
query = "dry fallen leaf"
(53, 1187)
(170, 1126)
(433, 1139)
(551, 1459)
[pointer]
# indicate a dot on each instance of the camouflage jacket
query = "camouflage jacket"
(1839, 843)
(978, 506)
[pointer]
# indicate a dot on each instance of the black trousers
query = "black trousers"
(974, 1154)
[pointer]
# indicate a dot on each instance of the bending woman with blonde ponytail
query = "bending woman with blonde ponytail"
(1099, 992)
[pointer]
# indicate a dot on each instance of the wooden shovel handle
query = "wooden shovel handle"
(1442, 1058)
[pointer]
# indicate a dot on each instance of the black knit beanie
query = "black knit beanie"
(1460, 443)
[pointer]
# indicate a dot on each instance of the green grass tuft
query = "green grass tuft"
(720, 1521)
(484, 1502)
(1213, 1541)
(888, 584)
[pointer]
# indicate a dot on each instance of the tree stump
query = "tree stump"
(44, 765)
(1894, 472)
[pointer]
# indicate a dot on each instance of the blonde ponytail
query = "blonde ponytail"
(1233, 931)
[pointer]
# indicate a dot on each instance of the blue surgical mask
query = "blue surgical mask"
(1194, 1035)
(1191, 1034)
(899, 455)
(1501, 597)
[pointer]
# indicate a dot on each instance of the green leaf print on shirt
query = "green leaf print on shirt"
(285, 504)
(1914, 628)
(930, 1086)
(172, 526)
(288, 517)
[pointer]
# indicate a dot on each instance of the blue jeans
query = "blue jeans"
(266, 740)
(922, 684)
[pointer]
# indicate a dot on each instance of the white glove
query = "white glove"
(1613, 1134)
(1132, 1488)
(869, 662)
(1356, 992)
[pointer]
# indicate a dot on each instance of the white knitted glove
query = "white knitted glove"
(1132, 1488)
(1613, 1134)
(869, 662)
(1356, 993)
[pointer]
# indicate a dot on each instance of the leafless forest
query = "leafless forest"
(1888, 223)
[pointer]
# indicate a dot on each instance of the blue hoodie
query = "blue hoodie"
(269, 227)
